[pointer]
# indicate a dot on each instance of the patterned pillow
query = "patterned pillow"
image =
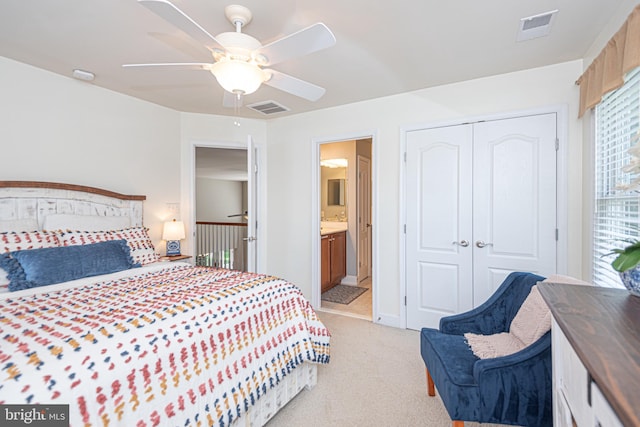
(140, 244)
(72, 238)
(21, 240)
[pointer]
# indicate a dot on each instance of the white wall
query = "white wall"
(609, 30)
(290, 153)
(54, 128)
(217, 198)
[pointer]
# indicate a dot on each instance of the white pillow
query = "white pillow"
(85, 222)
(532, 321)
(25, 224)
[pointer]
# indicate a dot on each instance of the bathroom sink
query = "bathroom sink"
(328, 227)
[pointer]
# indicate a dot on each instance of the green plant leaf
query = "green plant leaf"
(635, 244)
(626, 259)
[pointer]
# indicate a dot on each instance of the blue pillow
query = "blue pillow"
(40, 267)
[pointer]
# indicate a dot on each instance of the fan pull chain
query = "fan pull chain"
(236, 102)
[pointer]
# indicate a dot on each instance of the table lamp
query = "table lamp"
(173, 232)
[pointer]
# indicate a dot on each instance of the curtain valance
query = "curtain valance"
(607, 71)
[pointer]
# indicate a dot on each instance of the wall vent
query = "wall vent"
(268, 107)
(536, 26)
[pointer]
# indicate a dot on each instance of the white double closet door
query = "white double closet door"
(481, 203)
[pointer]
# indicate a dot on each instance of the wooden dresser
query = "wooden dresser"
(596, 355)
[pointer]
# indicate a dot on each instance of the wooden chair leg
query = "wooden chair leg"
(431, 390)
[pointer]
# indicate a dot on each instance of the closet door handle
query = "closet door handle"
(482, 244)
(462, 243)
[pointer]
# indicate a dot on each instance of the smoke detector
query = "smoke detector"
(536, 26)
(87, 76)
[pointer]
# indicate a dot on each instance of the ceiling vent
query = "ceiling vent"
(536, 26)
(268, 107)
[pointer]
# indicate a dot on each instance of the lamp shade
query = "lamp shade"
(238, 76)
(173, 230)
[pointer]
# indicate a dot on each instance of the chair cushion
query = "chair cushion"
(450, 362)
(453, 353)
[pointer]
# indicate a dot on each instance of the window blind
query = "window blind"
(616, 216)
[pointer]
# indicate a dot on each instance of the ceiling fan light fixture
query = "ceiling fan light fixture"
(238, 76)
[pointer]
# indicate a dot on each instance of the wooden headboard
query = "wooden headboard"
(35, 199)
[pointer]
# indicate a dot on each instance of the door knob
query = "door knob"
(462, 243)
(482, 244)
(249, 239)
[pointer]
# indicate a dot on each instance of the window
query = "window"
(616, 212)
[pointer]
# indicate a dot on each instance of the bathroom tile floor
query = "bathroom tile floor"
(360, 307)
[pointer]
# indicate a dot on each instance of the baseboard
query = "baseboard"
(343, 313)
(349, 280)
(388, 320)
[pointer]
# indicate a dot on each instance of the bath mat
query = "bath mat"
(343, 294)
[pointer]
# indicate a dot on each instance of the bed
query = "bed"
(130, 340)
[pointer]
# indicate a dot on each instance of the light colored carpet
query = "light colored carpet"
(376, 377)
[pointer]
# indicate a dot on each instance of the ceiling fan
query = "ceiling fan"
(239, 60)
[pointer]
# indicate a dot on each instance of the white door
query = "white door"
(438, 236)
(252, 205)
(481, 203)
(514, 212)
(364, 218)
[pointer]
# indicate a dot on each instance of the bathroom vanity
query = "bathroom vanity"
(333, 248)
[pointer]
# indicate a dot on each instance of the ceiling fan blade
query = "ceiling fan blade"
(303, 42)
(232, 100)
(185, 65)
(294, 86)
(170, 13)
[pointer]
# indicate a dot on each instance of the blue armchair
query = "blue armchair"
(514, 389)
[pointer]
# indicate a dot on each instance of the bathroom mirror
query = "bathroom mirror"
(335, 192)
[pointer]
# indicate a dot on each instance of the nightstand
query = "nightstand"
(175, 257)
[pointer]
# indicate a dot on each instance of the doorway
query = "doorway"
(221, 208)
(345, 260)
(224, 207)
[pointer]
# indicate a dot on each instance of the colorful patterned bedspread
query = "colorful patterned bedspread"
(184, 346)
